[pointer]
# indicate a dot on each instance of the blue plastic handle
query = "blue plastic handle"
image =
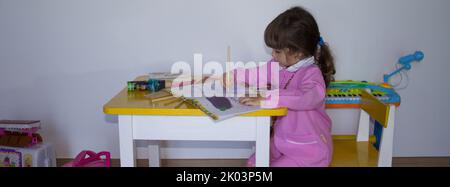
(406, 60)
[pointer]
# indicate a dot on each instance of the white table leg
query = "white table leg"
(387, 140)
(127, 150)
(153, 154)
(262, 141)
(363, 127)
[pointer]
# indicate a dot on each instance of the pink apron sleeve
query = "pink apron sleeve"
(308, 96)
(254, 76)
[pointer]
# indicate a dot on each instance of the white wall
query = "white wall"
(61, 60)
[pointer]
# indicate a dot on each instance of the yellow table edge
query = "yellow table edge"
(184, 112)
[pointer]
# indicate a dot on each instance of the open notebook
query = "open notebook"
(218, 107)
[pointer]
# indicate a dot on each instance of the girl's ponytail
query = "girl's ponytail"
(325, 61)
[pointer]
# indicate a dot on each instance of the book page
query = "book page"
(219, 107)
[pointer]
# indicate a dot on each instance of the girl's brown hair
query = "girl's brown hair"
(297, 30)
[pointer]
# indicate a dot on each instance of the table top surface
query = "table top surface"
(137, 103)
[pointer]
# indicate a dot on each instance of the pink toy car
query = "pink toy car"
(90, 159)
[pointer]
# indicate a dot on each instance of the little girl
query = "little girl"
(303, 136)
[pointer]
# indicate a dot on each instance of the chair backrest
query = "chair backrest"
(375, 108)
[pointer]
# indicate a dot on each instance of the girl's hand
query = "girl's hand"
(251, 101)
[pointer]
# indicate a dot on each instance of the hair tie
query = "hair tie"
(321, 42)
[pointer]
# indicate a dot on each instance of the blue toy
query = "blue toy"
(406, 64)
(348, 93)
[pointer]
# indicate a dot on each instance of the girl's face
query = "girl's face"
(286, 58)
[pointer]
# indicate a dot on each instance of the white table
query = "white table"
(142, 119)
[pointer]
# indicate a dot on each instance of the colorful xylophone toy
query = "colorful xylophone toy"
(347, 94)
